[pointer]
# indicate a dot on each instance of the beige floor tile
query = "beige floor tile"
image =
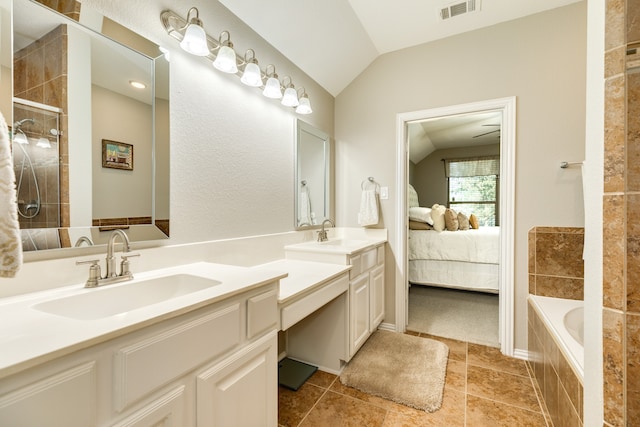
(322, 379)
(488, 357)
(294, 405)
(501, 386)
(338, 410)
(457, 349)
(456, 375)
(483, 413)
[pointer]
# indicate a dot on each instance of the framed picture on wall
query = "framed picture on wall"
(117, 155)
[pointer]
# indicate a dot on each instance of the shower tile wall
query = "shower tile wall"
(621, 229)
(46, 82)
(556, 268)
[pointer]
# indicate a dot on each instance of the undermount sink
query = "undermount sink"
(109, 301)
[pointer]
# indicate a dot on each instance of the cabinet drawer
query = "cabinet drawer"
(369, 259)
(300, 309)
(148, 364)
(380, 254)
(262, 313)
(356, 266)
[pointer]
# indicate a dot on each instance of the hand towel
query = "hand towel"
(10, 242)
(368, 214)
(305, 207)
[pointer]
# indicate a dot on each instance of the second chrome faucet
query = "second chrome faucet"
(111, 276)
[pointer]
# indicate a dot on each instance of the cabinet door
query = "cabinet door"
(377, 297)
(359, 307)
(67, 398)
(167, 411)
(241, 390)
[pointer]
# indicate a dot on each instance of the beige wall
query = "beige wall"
(539, 59)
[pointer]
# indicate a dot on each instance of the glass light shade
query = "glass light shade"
(252, 75)
(195, 40)
(43, 143)
(290, 98)
(226, 60)
(272, 89)
(20, 138)
(305, 106)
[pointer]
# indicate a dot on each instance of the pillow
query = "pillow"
(421, 215)
(473, 221)
(437, 214)
(451, 220)
(412, 197)
(415, 225)
(463, 221)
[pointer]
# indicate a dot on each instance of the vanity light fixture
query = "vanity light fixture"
(290, 97)
(193, 39)
(43, 142)
(226, 59)
(20, 138)
(251, 76)
(272, 88)
(304, 107)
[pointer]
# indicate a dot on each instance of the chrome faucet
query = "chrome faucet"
(322, 234)
(83, 239)
(95, 278)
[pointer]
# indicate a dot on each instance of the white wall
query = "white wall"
(539, 59)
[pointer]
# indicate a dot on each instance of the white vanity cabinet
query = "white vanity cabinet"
(213, 366)
(366, 295)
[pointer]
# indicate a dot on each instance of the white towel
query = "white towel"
(368, 214)
(10, 242)
(305, 207)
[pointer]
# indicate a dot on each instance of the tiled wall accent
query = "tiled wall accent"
(560, 387)
(108, 222)
(70, 8)
(621, 229)
(556, 268)
(40, 75)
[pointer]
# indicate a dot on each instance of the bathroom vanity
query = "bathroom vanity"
(200, 358)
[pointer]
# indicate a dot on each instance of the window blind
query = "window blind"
(472, 166)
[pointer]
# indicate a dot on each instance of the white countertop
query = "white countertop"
(303, 276)
(337, 245)
(29, 336)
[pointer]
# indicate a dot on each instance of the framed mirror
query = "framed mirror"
(312, 176)
(89, 124)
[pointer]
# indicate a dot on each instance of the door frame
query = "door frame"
(507, 211)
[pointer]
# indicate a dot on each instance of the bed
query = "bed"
(463, 259)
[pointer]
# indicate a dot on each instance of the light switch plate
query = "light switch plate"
(384, 193)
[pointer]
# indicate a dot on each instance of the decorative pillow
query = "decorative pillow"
(412, 197)
(437, 214)
(473, 221)
(451, 220)
(415, 225)
(421, 215)
(463, 221)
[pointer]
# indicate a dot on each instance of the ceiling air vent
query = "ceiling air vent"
(459, 8)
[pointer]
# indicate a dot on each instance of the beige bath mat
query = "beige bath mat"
(399, 367)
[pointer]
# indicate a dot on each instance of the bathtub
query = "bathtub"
(564, 319)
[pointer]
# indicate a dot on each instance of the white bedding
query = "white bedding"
(481, 245)
(455, 274)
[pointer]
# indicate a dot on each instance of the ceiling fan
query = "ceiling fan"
(488, 133)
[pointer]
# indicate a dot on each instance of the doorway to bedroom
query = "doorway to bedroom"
(457, 222)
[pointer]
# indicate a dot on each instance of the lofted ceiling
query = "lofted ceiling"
(333, 41)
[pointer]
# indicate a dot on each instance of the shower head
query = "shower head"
(23, 121)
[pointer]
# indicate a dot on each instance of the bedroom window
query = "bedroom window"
(473, 187)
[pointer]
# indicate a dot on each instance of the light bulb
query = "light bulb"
(272, 88)
(195, 39)
(290, 98)
(226, 60)
(305, 106)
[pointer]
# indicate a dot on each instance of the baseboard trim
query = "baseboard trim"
(519, 353)
(387, 327)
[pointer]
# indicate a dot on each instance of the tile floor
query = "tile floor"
(483, 388)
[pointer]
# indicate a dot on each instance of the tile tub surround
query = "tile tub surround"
(621, 204)
(561, 389)
(482, 388)
(556, 268)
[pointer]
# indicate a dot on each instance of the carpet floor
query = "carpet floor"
(403, 368)
(451, 313)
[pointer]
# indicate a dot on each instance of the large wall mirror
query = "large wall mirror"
(89, 125)
(312, 180)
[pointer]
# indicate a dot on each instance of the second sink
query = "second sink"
(111, 300)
